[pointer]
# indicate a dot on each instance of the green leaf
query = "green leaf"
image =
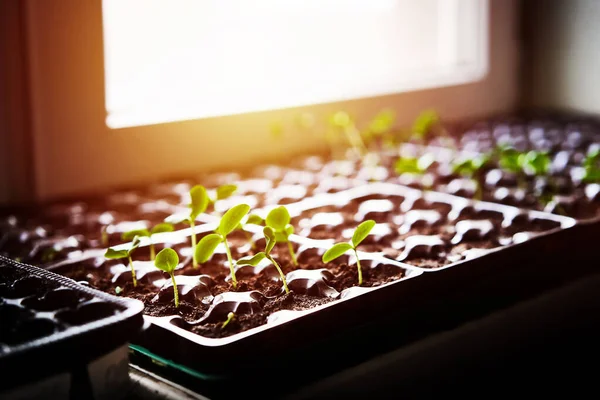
(205, 249)
(335, 251)
(464, 167)
(407, 165)
(362, 231)
(341, 119)
(162, 227)
(278, 218)
(225, 191)
(382, 122)
(270, 238)
(136, 232)
(424, 122)
(535, 162)
(254, 219)
(252, 260)
(232, 218)
(276, 129)
(289, 230)
(200, 201)
(113, 254)
(481, 160)
(166, 260)
(135, 243)
(510, 160)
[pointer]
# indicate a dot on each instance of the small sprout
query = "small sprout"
(535, 163)
(511, 160)
(413, 165)
(383, 122)
(591, 164)
(167, 260)
(254, 219)
(118, 290)
(230, 317)
(381, 126)
(158, 228)
(276, 129)
(361, 232)
(104, 235)
(279, 220)
(199, 204)
(342, 121)
(224, 191)
(113, 254)
(270, 237)
(424, 124)
(207, 245)
(473, 168)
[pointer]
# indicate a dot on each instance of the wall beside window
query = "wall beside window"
(16, 162)
(563, 55)
(74, 152)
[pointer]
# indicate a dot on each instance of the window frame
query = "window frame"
(74, 152)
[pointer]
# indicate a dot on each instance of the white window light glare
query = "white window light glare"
(189, 59)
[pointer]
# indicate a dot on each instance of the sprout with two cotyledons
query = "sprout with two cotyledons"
(270, 237)
(338, 249)
(167, 260)
(279, 220)
(207, 245)
(198, 205)
(159, 228)
(113, 254)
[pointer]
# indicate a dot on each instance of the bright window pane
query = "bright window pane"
(186, 59)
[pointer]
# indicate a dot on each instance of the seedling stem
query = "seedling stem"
(231, 267)
(132, 271)
(230, 318)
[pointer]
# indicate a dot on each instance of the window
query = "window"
(189, 59)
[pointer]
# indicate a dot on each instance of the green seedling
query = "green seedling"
(276, 129)
(270, 237)
(104, 235)
(223, 192)
(230, 317)
(159, 228)
(341, 120)
(381, 127)
(413, 165)
(472, 168)
(424, 124)
(113, 254)
(279, 220)
(167, 260)
(361, 232)
(535, 163)
(417, 166)
(229, 222)
(591, 164)
(199, 204)
(511, 160)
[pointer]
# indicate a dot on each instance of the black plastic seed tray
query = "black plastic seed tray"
(487, 241)
(59, 339)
